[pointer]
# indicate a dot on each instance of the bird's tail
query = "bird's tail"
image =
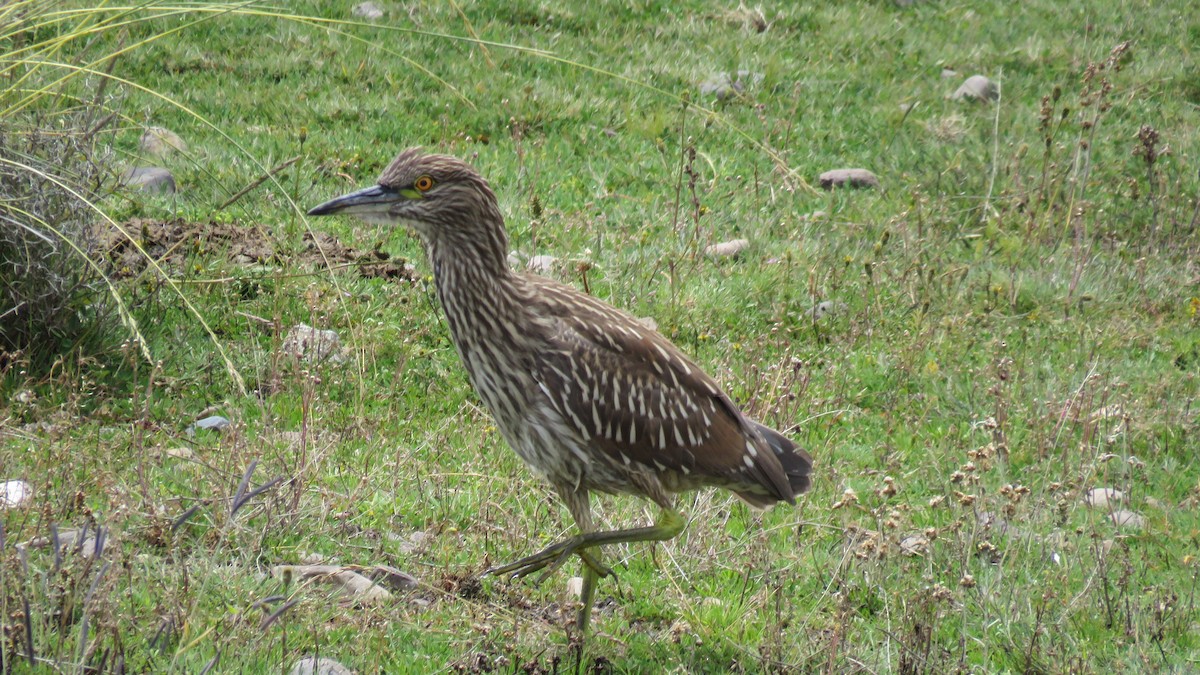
(797, 463)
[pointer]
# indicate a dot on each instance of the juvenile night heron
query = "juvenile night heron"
(590, 398)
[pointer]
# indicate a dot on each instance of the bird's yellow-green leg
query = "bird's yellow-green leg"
(587, 595)
(669, 524)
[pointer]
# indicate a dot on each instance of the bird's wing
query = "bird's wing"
(637, 398)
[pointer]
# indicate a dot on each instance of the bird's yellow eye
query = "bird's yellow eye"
(423, 183)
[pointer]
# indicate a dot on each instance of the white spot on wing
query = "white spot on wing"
(749, 462)
(751, 449)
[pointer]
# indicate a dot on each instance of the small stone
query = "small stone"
(977, 88)
(514, 261)
(160, 142)
(728, 249)
(949, 73)
(1153, 503)
(347, 581)
(648, 322)
(312, 345)
(854, 178)
(389, 576)
(312, 665)
(367, 10)
(415, 542)
(816, 215)
(1123, 518)
(723, 86)
(914, 545)
(14, 492)
(825, 308)
(88, 542)
(180, 452)
(991, 522)
(542, 264)
(1102, 497)
(210, 423)
(575, 587)
(149, 179)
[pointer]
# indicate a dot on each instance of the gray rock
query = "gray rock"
(853, 178)
(1123, 518)
(728, 249)
(14, 493)
(345, 580)
(575, 587)
(825, 308)
(392, 578)
(542, 264)
(914, 545)
(149, 179)
(723, 86)
(977, 88)
(313, 665)
(87, 542)
(160, 142)
(367, 10)
(948, 73)
(312, 345)
(1102, 497)
(210, 423)
(989, 521)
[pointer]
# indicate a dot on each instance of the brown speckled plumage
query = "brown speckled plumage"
(589, 397)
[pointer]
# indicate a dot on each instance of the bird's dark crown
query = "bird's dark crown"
(413, 164)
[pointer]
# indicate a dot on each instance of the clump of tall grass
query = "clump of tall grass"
(52, 301)
(53, 167)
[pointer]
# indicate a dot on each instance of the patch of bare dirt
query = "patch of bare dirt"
(172, 242)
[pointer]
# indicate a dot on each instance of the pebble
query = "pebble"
(312, 345)
(181, 452)
(313, 665)
(723, 86)
(825, 308)
(347, 581)
(391, 577)
(367, 10)
(977, 88)
(575, 587)
(149, 179)
(14, 492)
(728, 249)
(854, 178)
(1102, 497)
(914, 545)
(1123, 518)
(541, 264)
(160, 142)
(211, 423)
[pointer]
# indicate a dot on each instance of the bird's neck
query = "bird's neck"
(473, 282)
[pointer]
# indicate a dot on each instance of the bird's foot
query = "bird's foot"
(550, 559)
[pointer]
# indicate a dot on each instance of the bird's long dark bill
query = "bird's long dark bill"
(375, 199)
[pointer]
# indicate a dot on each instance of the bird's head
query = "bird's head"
(440, 197)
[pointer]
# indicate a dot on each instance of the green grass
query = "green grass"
(1013, 331)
